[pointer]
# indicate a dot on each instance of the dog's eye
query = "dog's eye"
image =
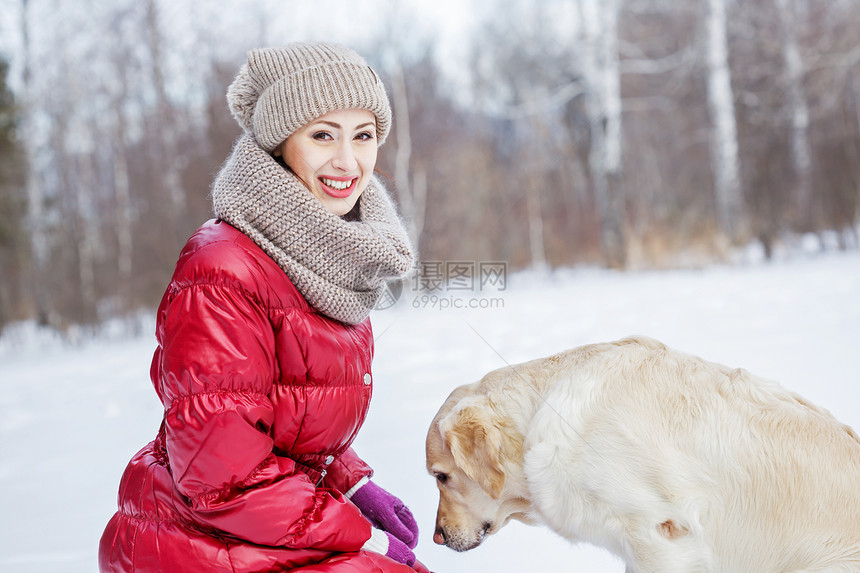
(441, 477)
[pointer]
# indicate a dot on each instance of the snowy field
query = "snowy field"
(72, 415)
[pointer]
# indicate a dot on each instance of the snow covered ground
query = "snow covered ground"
(72, 415)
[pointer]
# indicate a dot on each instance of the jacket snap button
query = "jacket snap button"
(329, 460)
(367, 379)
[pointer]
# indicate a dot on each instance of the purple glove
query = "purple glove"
(398, 551)
(386, 544)
(387, 513)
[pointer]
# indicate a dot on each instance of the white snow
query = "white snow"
(72, 415)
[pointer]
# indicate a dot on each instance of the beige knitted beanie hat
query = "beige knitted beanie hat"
(278, 90)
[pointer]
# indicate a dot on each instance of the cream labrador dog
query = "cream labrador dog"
(671, 462)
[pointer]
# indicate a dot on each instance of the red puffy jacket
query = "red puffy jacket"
(262, 398)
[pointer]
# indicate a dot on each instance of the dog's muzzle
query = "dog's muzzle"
(441, 537)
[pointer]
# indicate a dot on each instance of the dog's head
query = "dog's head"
(476, 457)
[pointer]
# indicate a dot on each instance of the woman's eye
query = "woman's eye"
(322, 136)
(364, 136)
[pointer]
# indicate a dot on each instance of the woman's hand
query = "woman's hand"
(386, 544)
(386, 512)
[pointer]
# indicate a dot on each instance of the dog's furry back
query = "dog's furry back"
(635, 445)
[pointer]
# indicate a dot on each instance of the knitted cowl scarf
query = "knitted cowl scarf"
(339, 266)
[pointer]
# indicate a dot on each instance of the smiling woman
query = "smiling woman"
(265, 345)
(334, 157)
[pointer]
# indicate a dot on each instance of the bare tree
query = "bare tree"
(855, 218)
(599, 63)
(410, 178)
(798, 109)
(411, 184)
(13, 237)
(35, 196)
(724, 139)
(120, 152)
(536, 163)
(87, 239)
(166, 153)
(117, 130)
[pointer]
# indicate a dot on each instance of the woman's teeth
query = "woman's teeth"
(339, 185)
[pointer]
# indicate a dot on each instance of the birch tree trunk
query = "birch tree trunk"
(855, 218)
(535, 215)
(611, 86)
(412, 190)
(168, 156)
(35, 199)
(123, 215)
(535, 164)
(601, 72)
(87, 237)
(801, 193)
(724, 139)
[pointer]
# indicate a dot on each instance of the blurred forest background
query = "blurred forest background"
(621, 133)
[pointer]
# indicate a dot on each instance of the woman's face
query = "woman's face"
(334, 156)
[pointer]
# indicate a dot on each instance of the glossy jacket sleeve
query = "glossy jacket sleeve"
(346, 471)
(216, 369)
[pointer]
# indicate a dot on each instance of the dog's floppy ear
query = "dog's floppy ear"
(476, 442)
